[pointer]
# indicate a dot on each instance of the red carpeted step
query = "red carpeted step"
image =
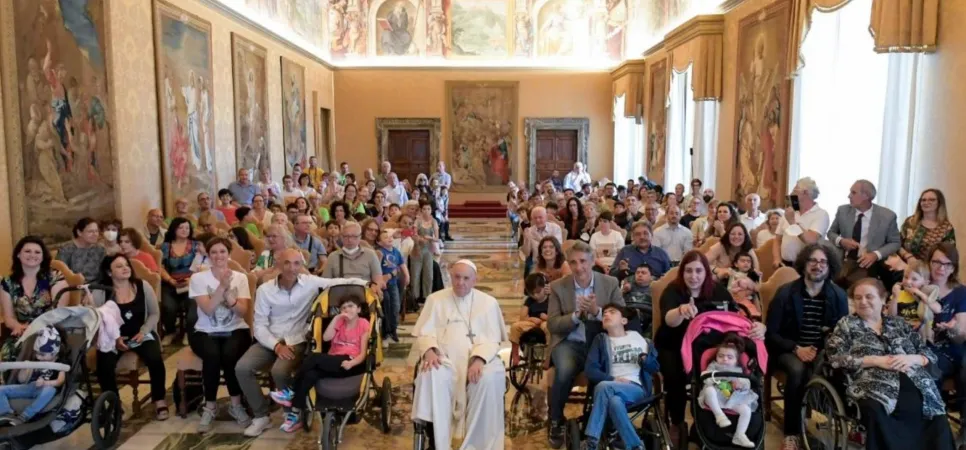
(478, 209)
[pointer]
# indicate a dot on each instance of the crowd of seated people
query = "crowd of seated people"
(862, 261)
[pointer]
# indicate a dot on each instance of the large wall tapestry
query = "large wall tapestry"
(761, 161)
(293, 114)
(183, 47)
(251, 111)
(480, 28)
(482, 116)
(657, 123)
(65, 142)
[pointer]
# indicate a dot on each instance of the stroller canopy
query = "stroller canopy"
(723, 322)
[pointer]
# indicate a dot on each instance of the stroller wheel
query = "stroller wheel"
(573, 435)
(329, 439)
(106, 420)
(385, 396)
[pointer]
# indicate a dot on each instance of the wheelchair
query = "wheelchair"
(533, 345)
(829, 416)
(652, 430)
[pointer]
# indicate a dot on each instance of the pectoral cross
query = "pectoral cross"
(470, 335)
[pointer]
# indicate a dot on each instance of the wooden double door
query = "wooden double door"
(556, 150)
(409, 153)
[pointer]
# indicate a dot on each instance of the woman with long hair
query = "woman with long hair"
(427, 233)
(927, 227)
(551, 260)
(130, 242)
(950, 323)
(725, 215)
(28, 292)
(722, 254)
(770, 230)
(370, 232)
(352, 200)
(178, 251)
(573, 218)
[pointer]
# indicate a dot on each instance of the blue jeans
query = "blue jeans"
(611, 399)
(390, 310)
(568, 359)
(41, 396)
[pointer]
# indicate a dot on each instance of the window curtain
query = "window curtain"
(680, 129)
(900, 135)
(628, 144)
(705, 142)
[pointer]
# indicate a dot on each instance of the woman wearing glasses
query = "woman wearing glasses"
(949, 325)
(927, 227)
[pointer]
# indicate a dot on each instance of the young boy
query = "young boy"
(394, 270)
(524, 213)
(637, 295)
(533, 314)
(621, 365)
(333, 238)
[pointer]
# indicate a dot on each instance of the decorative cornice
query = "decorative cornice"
(654, 49)
(712, 24)
(629, 66)
(729, 5)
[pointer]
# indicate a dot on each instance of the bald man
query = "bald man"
(540, 227)
(867, 233)
(460, 384)
(243, 190)
(154, 228)
(382, 179)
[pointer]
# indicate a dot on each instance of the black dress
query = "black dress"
(906, 428)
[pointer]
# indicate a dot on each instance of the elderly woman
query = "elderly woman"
(221, 335)
(277, 239)
(130, 241)
(178, 251)
(693, 292)
(551, 261)
(927, 227)
(770, 229)
(84, 253)
(950, 323)
(722, 254)
(900, 404)
(259, 210)
(28, 292)
(139, 328)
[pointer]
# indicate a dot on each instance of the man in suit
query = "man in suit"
(576, 305)
(867, 233)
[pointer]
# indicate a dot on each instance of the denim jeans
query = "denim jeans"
(41, 396)
(390, 310)
(568, 359)
(611, 399)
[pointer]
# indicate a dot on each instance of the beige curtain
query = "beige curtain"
(905, 26)
(628, 80)
(700, 43)
(800, 20)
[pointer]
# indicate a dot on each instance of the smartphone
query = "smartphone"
(131, 343)
(793, 199)
(408, 232)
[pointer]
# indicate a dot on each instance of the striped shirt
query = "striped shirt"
(813, 316)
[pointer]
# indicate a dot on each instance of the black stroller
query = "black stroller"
(73, 405)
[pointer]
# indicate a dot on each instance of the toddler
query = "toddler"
(394, 270)
(348, 334)
(637, 295)
(37, 384)
(332, 239)
(915, 300)
(729, 392)
(621, 365)
(533, 315)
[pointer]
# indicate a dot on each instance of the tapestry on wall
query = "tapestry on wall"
(183, 52)
(761, 157)
(293, 114)
(251, 118)
(65, 147)
(657, 123)
(482, 116)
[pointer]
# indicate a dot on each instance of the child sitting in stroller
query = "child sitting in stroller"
(621, 364)
(730, 393)
(38, 384)
(348, 334)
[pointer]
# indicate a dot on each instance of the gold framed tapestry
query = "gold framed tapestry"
(657, 122)
(482, 117)
(293, 114)
(763, 106)
(182, 43)
(251, 112)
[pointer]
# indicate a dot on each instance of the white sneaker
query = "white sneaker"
(238, 413)
(722, 421)
(258, 426)
(207, 417)
(742, 440)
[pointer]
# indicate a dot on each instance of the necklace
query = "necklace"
(469, 324)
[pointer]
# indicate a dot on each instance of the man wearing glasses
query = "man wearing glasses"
(311, 244)
(799, 318)
(353, 260)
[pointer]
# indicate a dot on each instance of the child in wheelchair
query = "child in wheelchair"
(348, 334)
(533, 315)
(637, 296)
(621, 365)
(728, 392)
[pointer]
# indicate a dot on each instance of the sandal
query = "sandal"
(161, 413)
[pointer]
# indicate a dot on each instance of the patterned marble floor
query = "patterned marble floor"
(487, 243)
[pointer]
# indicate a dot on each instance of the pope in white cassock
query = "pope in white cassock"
(461, 380)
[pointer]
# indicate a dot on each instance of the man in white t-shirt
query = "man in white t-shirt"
(807, 225)
(753, 217)
(606, 242)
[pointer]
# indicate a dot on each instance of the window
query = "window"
(680, 140)
(628, 144)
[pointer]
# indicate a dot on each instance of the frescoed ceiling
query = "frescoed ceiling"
(520, 33)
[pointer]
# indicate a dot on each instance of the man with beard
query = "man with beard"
(799, 315)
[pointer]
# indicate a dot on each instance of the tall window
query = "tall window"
(628, 144)
(680, 129)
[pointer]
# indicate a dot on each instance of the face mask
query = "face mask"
(110, 235)
(708, 198)
(351, 251)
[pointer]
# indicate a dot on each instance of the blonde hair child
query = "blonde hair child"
(915, 300)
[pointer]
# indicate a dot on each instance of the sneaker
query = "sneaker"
(238, 413)
(556, 435)
(790, 443)
(742, 441)
(283, 397)
(722, 421)
(207, 417)
(293, 422)
(258, 426)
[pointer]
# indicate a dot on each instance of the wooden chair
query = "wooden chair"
(146, 247)
(567, 245)
(258, 246)
(129, 366)
(242, 257)
(764, 254)
(222, 227)
(781, 277)
(72, 279)
(707, 244)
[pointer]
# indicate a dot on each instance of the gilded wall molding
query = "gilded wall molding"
(533, 124)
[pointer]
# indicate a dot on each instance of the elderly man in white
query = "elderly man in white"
(576, 178)
(395, 191)
(461, 380)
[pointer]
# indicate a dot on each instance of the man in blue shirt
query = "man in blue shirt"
(641, 251)
(243, 190)
(311, 244)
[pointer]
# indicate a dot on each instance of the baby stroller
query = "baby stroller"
(73, 405)
(339, 400)
(701, 340)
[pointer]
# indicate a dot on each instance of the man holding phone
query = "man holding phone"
(807, 223)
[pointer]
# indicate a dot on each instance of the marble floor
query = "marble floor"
(486, 242)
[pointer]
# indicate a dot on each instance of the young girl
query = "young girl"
(348, 334)
(37, 384)
(729, 392)
(533, 314)
(916, 301)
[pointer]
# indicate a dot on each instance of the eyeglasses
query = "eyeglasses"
(941, 265)
(818, 262)
(352, 236)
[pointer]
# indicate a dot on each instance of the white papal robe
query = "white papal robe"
(473, 412)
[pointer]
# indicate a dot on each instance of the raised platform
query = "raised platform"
(478, 210)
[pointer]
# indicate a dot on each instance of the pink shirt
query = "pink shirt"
(349, 341)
